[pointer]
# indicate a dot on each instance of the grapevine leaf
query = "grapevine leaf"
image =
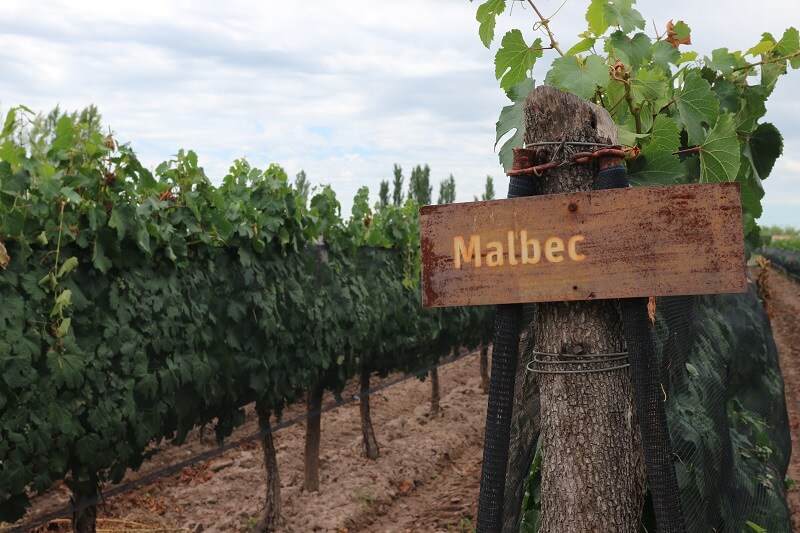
(656, 165)
(752, 107)
(580, 76)
(648, 85)
(487, 17)
(762, 47)
(728, 95)
(789, 44)
(65, 134)
(719, 154)
(63, 327)
(66, 369)
(99, 259)
(584, 45)
(664, 55)
(512, 117)
(687, 56)
(722, 61)
(766, 146)
(697, 106)
(515, 59)
(621, 13)
(596, 18)
(628, 137)
(67, 266)
(636, 48)
(678, 34)
(751, 192)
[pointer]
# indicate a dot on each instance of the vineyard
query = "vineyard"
(139, 306)
(161, 329)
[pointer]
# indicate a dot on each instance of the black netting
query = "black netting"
(715, 376)
(505, 355)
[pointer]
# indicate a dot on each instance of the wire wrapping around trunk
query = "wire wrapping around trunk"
(649, 396)
(505, 352)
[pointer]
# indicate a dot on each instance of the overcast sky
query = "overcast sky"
(342, 89)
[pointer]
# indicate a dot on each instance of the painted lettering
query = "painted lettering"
(572, 248)
(554, 250)
(494, 254)
(462, 251)
(553, 246)
(526, 246)
(512, 252)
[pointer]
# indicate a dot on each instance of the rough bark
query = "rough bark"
(272, 508)
(313, 411)
(484, 364)
(369, 443)
(436, 394)
(593, 475)
(84, 520)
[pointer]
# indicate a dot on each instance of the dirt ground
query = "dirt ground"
(785, 297)
(425, 480)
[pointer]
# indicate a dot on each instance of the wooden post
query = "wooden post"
(593, 475)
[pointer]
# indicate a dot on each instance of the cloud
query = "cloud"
(343, 89)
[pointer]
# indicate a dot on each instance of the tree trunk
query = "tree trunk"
(593, 475)
(313, 411)
(370, 445)
(84, 520)
(484, 363)
(272, 507)
(436, 394)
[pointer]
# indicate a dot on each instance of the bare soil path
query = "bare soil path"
(785, 297)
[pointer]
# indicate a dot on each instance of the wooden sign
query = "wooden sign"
(615, 243)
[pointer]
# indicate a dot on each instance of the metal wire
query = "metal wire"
(594, 359)
(568, 143)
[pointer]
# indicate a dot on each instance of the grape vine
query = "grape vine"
(685, 117)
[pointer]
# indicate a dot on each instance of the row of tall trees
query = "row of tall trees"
(421, 190)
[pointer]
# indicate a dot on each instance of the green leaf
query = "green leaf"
(622, 14)
(515, 59)
(687, 56)
(664, 55)
(762, 47)
(751, 192)
(627, 137)
(63, 327)
(656, 164)
(722, 61)
(719, 154)
(637, 48)
(67, 266)
(766, 146)
(65, 134)
(584, 45)
(66, 369)
(596, 18)
(648, 85)
(789, 44)
(48, 282)
(512, 117)
(697, 106)
(487, 16)
(755, 527)
(99, 259)
(580, 76)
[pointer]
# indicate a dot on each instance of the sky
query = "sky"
(343, 89)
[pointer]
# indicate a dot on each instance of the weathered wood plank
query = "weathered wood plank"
(619, 243)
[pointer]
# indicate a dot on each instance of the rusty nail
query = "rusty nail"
(573, 207)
